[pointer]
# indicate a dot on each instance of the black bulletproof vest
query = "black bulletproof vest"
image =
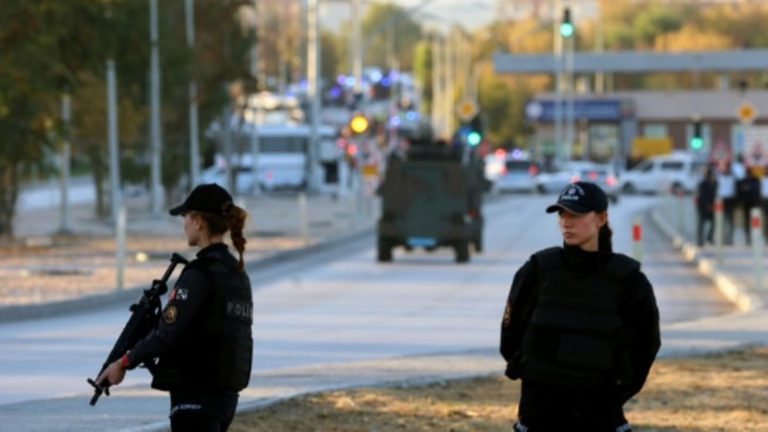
(575, 336)
(216, 350)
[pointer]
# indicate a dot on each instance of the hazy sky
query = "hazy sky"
(437, 13)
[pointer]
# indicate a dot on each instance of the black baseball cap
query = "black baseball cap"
(206, 198)
(580, 198)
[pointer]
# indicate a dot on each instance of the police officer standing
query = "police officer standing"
(203, 341)
(706, 194)
(581, 325)
(726, 191)
(748, 192)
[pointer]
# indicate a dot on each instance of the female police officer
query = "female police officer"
(203, 341)
(581, 325)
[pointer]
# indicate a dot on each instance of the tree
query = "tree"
(656, 22)
(422, 71)
(389, 33)
(44, 44)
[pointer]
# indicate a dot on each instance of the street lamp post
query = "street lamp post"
(155, 125)
(194, 138)
(558, 58)
(313, 93)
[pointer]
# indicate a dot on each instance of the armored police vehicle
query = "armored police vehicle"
(431, 197)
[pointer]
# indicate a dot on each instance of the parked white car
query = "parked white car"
(677, 172)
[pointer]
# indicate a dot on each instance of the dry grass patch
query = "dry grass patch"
(725, 392)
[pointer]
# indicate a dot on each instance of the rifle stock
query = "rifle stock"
(143, 319)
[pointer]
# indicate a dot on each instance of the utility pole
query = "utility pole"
(155, 125)
(66, 155)
(570, 96)
(450, 78)
(112, 138)
(437, 84)
(357, 46)
(194, 136)
(600, 48)
(258, 74)
(558, 57)
(313, 66)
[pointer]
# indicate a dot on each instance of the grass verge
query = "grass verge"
(712, 393)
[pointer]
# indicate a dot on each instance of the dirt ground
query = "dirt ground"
(85, 265)
(724, 392)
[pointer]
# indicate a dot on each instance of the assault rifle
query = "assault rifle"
(144, 317)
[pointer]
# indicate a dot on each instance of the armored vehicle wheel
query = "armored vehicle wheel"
(478, 242)
(462, 251)
(384, 250)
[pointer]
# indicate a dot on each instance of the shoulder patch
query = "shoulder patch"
(170, 314)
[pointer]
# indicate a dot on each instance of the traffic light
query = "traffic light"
(358, 124)
(474, 131)
(566, 25)
(474, 138)
(697, 138)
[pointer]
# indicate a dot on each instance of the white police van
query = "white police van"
(282, 160)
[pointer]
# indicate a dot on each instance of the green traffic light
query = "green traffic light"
(474, 138)
(566, 29)
(697, 143)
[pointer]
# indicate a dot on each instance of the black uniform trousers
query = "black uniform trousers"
(197, 411)
(546, 407)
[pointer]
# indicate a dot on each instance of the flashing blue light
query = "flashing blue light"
(386, 82)
(335, 92)
(517, 154)
(375, 76)
(395, 121)
(394, 75)
(350, 81)
(412, 116)
(341, 79)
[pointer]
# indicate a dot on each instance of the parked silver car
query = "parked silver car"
(518, 175)
(603, 175)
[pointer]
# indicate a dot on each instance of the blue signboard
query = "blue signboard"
(590, 110)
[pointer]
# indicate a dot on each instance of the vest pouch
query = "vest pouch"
(585, 352)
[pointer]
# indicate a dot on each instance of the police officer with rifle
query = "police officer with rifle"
(199, 347)
(581, 325)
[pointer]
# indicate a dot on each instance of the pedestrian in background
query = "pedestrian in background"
(581, 325)
(764, 203)
(706, 193)
(726, 191)
(203, 340)
(748, 192)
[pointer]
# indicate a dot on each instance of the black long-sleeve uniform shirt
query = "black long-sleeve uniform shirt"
(184, 302)
(638, 310)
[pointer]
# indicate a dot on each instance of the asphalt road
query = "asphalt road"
(342, 306)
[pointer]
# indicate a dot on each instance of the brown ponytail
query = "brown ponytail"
(604, 242)
(232, 220)
(236, 219)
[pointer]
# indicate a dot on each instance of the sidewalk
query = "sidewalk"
(45, 268)
(734, 277)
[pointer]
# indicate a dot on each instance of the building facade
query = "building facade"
(622, 127)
